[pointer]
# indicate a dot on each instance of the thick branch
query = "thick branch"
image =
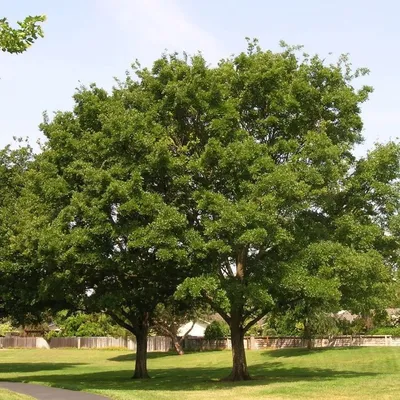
(125, 314)
(253, 322)
(263, 251)
(187, 332)
(161, 328)
(121, 322)
(288, 302)
(216, 307)
(240, 263)
(248, 313)
(227, 269)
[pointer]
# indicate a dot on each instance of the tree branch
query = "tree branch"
(289, 302)
(248, 313)
(216, 307)
(225, 267)
(253, 322)
(161, 328)
(121, 322)
(187, 332)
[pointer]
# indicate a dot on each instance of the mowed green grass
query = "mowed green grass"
(7, 395)
(344, 373)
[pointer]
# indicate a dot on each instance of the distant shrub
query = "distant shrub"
(51, 334)
(216, 330)
(87, 325)
(267, 331)
(5, 326)
(255, 330)
(386, 330)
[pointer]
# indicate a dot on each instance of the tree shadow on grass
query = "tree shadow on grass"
(295, 352)
(187, 379)
(152, 355)
(34, 367)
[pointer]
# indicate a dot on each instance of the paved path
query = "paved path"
(49, 393)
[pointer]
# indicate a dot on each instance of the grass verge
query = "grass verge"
(330, 374)
(7, 395)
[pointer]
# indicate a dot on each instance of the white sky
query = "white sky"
(95, 40)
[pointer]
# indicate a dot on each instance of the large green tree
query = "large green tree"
(240, 178)
(286, 212)
(94, 219)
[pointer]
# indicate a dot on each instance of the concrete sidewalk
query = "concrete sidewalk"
(49, 393)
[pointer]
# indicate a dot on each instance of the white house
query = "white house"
(197, 331)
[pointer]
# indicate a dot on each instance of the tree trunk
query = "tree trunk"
(239, 369)
(178, 342)
(141, 354)
(308, 334)
(178, 345)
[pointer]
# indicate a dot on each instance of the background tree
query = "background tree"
(216, 330)
(361, 274)
(18, 40)
(18, 293)
(172, 315)
(5, 327)
(81, 324)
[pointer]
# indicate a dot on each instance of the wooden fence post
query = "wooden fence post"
(253, 343)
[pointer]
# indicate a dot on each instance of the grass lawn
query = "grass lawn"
(344, 373)
(7, 395)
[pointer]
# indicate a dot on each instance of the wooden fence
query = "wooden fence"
(201, 344)
(164, 344)
(259, 343)
(154, 343)
(23, 342)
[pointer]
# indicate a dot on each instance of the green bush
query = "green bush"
(255, 330)
(386, 330)
(216, 330)
(5, 326)
(267, 331)
(81, 324)
(51, 334)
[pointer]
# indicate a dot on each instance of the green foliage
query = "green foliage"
(81, 324)
(5, 326)
(18, 284)
(323, 324)
(19, 40)
(366, 323)
(255, 330)
(269, 331)
(356, 327)
(289, 218)
(385, 330)
(283, 324)
(216, 330)
(236, 183)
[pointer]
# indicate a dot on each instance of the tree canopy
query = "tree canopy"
(236, 184)
(94, 222)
